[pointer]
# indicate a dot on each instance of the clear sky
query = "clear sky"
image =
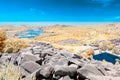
(60, 10)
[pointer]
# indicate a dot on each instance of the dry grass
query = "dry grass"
(83, 34)
(11, 44)
(2, 39)
(10, 72)
(14, 45)
(88, 54)
(106, 45)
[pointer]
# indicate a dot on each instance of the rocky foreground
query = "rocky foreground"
(45, 62)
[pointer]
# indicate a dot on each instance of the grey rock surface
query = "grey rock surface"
(45, 62)
(30, 66)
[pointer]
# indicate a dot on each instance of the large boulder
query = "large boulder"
(37, 50)
(30, 66)
(24, 72)
(46, 71)
(44, 53)
(89, 70)
(29, 57)
(58, 60)
(65, 70)
(66, 53)
(61, 70)
(38, 47)
(103, 78)
(75, 61)
(66, 78)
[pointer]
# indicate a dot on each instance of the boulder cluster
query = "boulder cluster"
(45, 62)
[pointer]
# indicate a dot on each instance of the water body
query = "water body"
(30, 33)
(106, 56)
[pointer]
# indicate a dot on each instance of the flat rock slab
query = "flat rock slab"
(30, 66)
(88, 70)
(69, 41)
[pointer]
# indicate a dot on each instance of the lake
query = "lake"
(30, 33)
(106, 56)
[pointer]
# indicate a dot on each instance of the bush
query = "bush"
(2, 39)
(14, 45)
(88, 54)
(110, 46)
(61, 48)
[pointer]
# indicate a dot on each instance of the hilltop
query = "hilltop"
(61, 52)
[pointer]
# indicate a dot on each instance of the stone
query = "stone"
(76, 56)
(88, 70)
(49, 52)
(23, 72)
(34, 76)
(73, 70)
(18, 60)
(37, 50)
(75, 61)
(26, 50)
(61, 70)
(48, 45)
(30, 66)
(29, 57)
(67, 78)
(0, 54)
(46, 71)
(39, 61)
(58, 61)
(103, 78)
(65, 70)
(66, 53)
(5, 59)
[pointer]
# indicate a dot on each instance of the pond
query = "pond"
(30, 33)
(106, 56)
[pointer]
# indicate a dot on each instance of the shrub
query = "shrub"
(110, 46)
(60, 48)
(2, 39)
(88, 54)
(14, 45)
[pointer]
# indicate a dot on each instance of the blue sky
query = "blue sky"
(59, 10)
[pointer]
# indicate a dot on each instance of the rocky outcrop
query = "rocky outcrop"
(45, 62)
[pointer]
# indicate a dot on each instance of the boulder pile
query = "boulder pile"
(45, 62)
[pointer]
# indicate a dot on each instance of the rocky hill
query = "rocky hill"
(44, 62)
